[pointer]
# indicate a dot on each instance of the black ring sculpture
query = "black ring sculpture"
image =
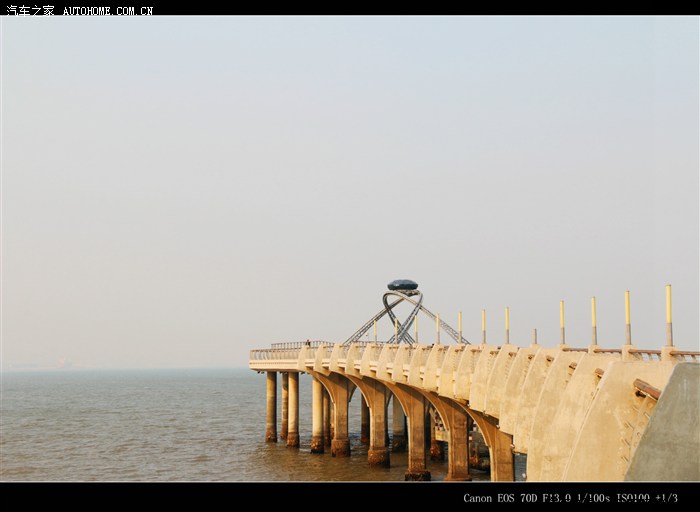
(404, 290)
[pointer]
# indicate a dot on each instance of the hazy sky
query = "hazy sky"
(177, 191)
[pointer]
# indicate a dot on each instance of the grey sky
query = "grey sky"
(177, 191)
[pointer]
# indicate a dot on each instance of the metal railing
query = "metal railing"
(301, 344)
(647, 355)
(686, 355)
(275, 354)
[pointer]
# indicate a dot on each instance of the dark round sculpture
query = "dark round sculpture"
(403, 284)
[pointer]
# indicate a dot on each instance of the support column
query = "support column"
(375, 394)
(340, 445)
(317, 416)
(285, 405)
(293, 425)
(398, 443)
(457, 422)
(326, 418)
(500, 449)
(271, 425)
(332, 427)
(378, 453)
(437, 451)
(416, 409)
(501, 454)
(364, 423)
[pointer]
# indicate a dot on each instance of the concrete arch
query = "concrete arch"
(340, 389)
(377, 397)
(414, 405)
(499, 442)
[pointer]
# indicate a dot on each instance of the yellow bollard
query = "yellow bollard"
(459, 323)
(561, 322)
(669, 318)
(507, 326)
(594, 339)
(437, 327)
(628, 327)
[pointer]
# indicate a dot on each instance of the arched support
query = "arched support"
(416, 407)
(456, 420)
(340, 390)
(376, 396)
(500, 445)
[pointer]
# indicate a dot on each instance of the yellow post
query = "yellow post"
(375, 331)
(561, 322)
(396, 330)
(507, 326)
(459, 323)
(483, 327)
(628, 326)
(437, 327)
(594, 339)
(669, 318)
(415, 327)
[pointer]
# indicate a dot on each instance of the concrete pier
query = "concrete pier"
(398, 442)
(326, 418)
(437, 450)
(317, 416)
(364, 421)
(293, 409)
(457, 424)
(285, 405)
(417, 410)
(271, 425)
(341, 387)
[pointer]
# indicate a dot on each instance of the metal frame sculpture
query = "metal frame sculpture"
(404, 290)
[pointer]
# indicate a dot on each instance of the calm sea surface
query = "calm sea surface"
(164, 425)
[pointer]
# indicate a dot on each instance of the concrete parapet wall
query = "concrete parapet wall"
(386, 357)
(446, 381)
(498, 379)
(508, 415)
(418, 359)
(530, 396)
(602, 448)
(673, 428)
(548, 462)
(370, 356)
(465, 368)
(480, 377)
(553, 391)
(403, 357)
(432, 367)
